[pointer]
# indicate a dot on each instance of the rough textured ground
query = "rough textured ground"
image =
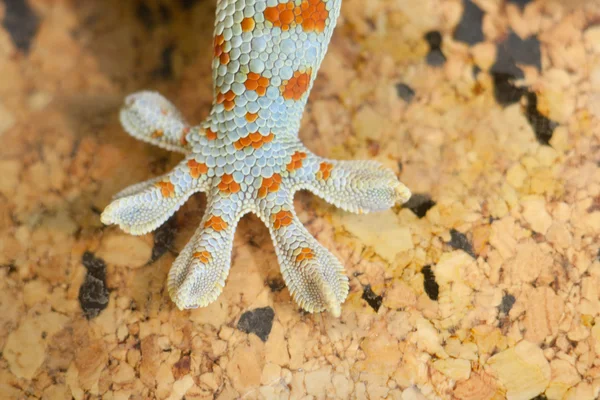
(485, 286)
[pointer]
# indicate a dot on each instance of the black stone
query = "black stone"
(505, 66)
(165, 70)
(540, 397)
(514, 50)
(165, 13)
(96, 210)
(163, 239)
(144, 14)
(10, 267)
(371, 298)
(542, 125)
(435, 57)
(434, 39)
(187, 4)
(20, 22)
(405, 92)
(520, 3)
(508, 301)
(419, 204)
(95, 265)
(258, 321)
(276, 284)
(505, 92)
(469, 30)
(93, 293)
(524, 51)
(459, 240)
(431, 286)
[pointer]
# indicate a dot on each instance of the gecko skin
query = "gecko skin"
(246, 156)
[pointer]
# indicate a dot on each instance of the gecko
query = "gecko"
(247, 158)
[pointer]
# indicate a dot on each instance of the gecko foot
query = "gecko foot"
(243, 172)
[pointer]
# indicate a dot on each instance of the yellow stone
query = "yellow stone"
(317, 381)
(453, 368)
(523, 370)
(516, 175)
(376, 229)
(564, 375)
(399, 295)
(25, 348)
(534, 212)
(125, 250)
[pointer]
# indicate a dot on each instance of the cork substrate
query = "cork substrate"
(485, 285)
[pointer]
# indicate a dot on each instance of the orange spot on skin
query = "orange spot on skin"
(296, 162)
(294, 88)
(196, 168)
(255, 139)
(167, 189)
(257, 83)
(157, 133)
(227, 179)
(272, 15)
(242, 142)
(324, 171)
(255, 136)
(248, 24)
(250, 117)
(282, 218)
(203, 256)
(219, 44)
(215, 222)
(311, 14)
(184, 133)
(210, 135)
(286, 17)
(269, 185)
(251, 84)
(227, 99)
(224, 58)
(305, 254)
(228, 185)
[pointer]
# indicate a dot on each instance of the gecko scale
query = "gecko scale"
(246, 156)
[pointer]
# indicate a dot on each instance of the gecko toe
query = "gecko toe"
(150, 117)
(198, 275)
(314, 277)
(355, 186)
